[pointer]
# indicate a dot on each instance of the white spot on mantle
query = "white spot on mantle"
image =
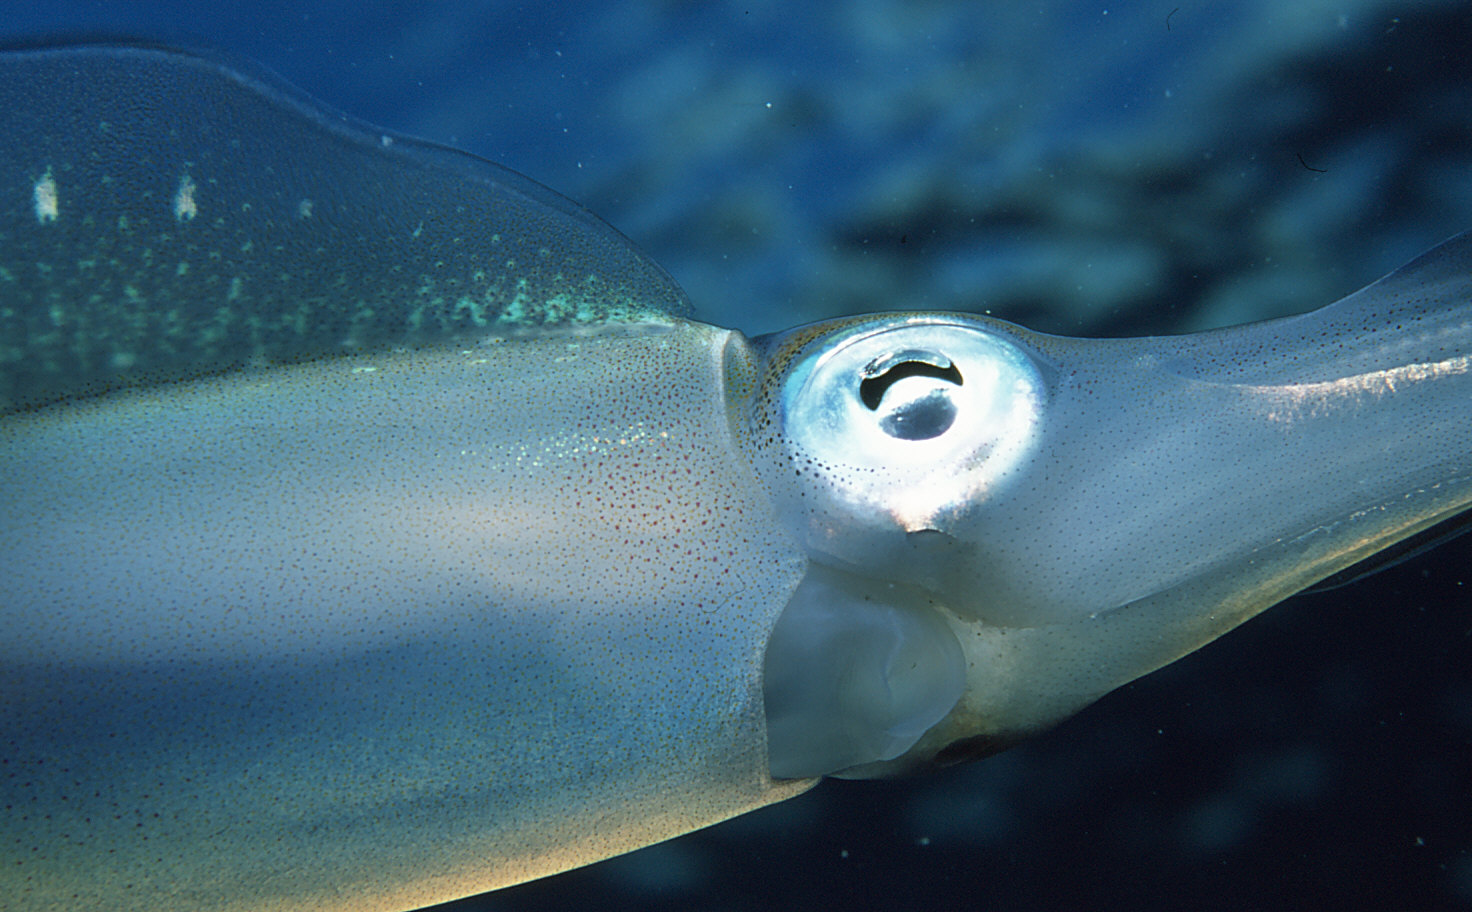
(184, 206)
(47, 203)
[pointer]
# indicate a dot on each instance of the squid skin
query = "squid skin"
(324, 638)
(378, 528)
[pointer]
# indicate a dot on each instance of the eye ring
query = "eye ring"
(910, 415)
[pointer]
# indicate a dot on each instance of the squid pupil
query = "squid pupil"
(872, 389)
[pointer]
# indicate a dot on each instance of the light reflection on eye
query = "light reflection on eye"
(904, 418)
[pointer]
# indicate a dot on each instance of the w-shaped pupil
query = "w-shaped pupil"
(872, 389)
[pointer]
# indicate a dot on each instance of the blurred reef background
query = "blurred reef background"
(1078, 167)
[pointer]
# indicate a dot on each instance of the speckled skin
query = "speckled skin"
(337, 638)
(450, 688)
(166, 215)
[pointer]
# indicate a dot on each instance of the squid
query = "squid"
(378, 527)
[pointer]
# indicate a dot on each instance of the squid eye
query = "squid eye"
(908, 416)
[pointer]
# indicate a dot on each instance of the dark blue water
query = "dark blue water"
(1073, 166)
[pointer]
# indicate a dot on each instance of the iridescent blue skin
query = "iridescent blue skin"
(378, 529)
